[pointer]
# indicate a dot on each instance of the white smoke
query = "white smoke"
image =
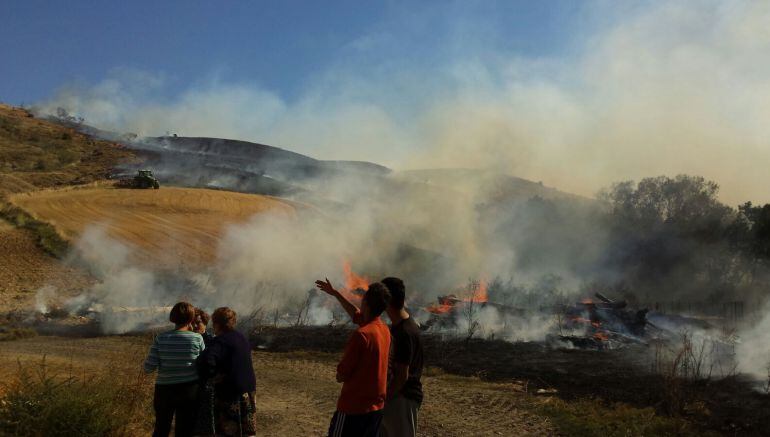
(753, 350)
(44, 297)
(645, 92)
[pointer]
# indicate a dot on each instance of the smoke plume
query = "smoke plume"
(660, 88)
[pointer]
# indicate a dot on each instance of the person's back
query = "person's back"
(230, 355)
(404, 387)
(228, 363)
(407, 349)
(173, 355)
(365, 369)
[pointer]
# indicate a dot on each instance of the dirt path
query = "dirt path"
(297, 391)
(170, 223)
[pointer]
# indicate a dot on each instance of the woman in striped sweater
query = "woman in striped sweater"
(173, 355)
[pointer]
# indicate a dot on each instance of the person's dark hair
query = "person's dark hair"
(203, 315)
(225, 318)
(182, 313)
(397, 291)
(377, 298)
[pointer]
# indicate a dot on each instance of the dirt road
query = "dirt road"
(297, 391)
(170, 223)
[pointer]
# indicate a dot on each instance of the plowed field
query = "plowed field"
(165, 225)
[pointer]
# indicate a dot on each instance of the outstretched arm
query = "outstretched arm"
(327, 288)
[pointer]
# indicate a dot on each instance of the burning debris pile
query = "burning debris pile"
(605, 324)
(599, 324)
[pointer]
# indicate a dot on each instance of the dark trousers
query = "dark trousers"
(180, 400)
(355, 425)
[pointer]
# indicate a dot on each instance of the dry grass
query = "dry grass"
(36, 153)
(296, 391)
(11, 334)
(297, 394)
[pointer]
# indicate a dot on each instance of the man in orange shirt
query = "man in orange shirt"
(363, 370)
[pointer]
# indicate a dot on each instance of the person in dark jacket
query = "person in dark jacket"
(228, 362)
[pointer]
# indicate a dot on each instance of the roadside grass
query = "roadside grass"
(40, 401)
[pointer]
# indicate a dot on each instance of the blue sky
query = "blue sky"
(577, 94)
(276, 45)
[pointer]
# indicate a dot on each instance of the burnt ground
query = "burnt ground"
(728, 406)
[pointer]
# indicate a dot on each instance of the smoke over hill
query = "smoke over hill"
(654, 89)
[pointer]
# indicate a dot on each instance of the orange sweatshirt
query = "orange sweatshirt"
(364, 369)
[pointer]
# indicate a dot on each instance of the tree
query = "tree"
(670, 235)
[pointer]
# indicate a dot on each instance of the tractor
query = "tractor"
(143, 179)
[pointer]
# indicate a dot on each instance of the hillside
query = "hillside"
(236, 165)
(166, 225)
(494, 186)
(36, 153)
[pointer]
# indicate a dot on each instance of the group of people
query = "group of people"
(208, 383)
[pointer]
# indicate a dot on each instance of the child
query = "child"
(173, 355)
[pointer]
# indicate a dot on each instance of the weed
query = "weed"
(38, 402)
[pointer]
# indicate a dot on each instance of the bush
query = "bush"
(39, 403)
(67, 156)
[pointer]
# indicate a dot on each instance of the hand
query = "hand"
(326, 287)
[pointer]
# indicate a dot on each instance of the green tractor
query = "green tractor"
(143, 179)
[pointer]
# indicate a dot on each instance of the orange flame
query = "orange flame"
(355, 285)
(478, 294)
(441, 308)
(352, 280)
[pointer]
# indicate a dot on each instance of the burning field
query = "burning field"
(609, 309)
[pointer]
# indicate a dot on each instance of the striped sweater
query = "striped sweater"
(173, 355)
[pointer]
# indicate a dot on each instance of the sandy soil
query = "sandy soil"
(297, 391)
(25, 267)
(169, 223)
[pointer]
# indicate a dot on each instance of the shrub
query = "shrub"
(67, 156)
(38, 403)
